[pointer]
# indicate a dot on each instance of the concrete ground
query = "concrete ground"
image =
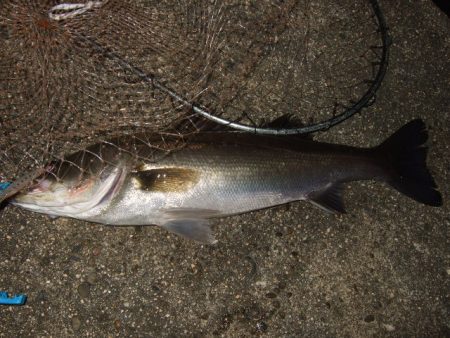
(381, 270)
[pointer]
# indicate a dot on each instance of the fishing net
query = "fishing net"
(73, 73)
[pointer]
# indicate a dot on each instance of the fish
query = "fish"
(222, 173)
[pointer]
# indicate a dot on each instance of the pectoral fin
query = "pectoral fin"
(329, 199)
(194, 229)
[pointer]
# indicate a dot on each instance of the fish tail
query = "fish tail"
(406, 153)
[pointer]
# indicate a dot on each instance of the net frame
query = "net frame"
(187, 105)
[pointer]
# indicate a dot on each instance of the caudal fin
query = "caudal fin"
(406, 153)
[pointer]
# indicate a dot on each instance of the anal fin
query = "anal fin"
(329, 199)
(195, 229)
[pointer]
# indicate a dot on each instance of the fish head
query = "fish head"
(72, 194)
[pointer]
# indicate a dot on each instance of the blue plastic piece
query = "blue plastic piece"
(4, 185)
(16, 300)
(4, 299)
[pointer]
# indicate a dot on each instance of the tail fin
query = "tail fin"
(406, 153)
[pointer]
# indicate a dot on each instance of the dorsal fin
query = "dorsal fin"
(286, 121)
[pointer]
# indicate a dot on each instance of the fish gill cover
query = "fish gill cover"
(73, 73)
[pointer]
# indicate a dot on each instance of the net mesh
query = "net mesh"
(73, 73)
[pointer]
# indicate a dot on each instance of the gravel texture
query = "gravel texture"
(381, 270)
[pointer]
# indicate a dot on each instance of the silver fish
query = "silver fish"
(222, 173)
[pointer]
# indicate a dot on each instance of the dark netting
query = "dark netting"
(73, 73)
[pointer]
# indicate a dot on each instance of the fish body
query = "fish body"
(222, 173)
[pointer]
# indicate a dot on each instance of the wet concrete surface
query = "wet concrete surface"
(381, 270)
